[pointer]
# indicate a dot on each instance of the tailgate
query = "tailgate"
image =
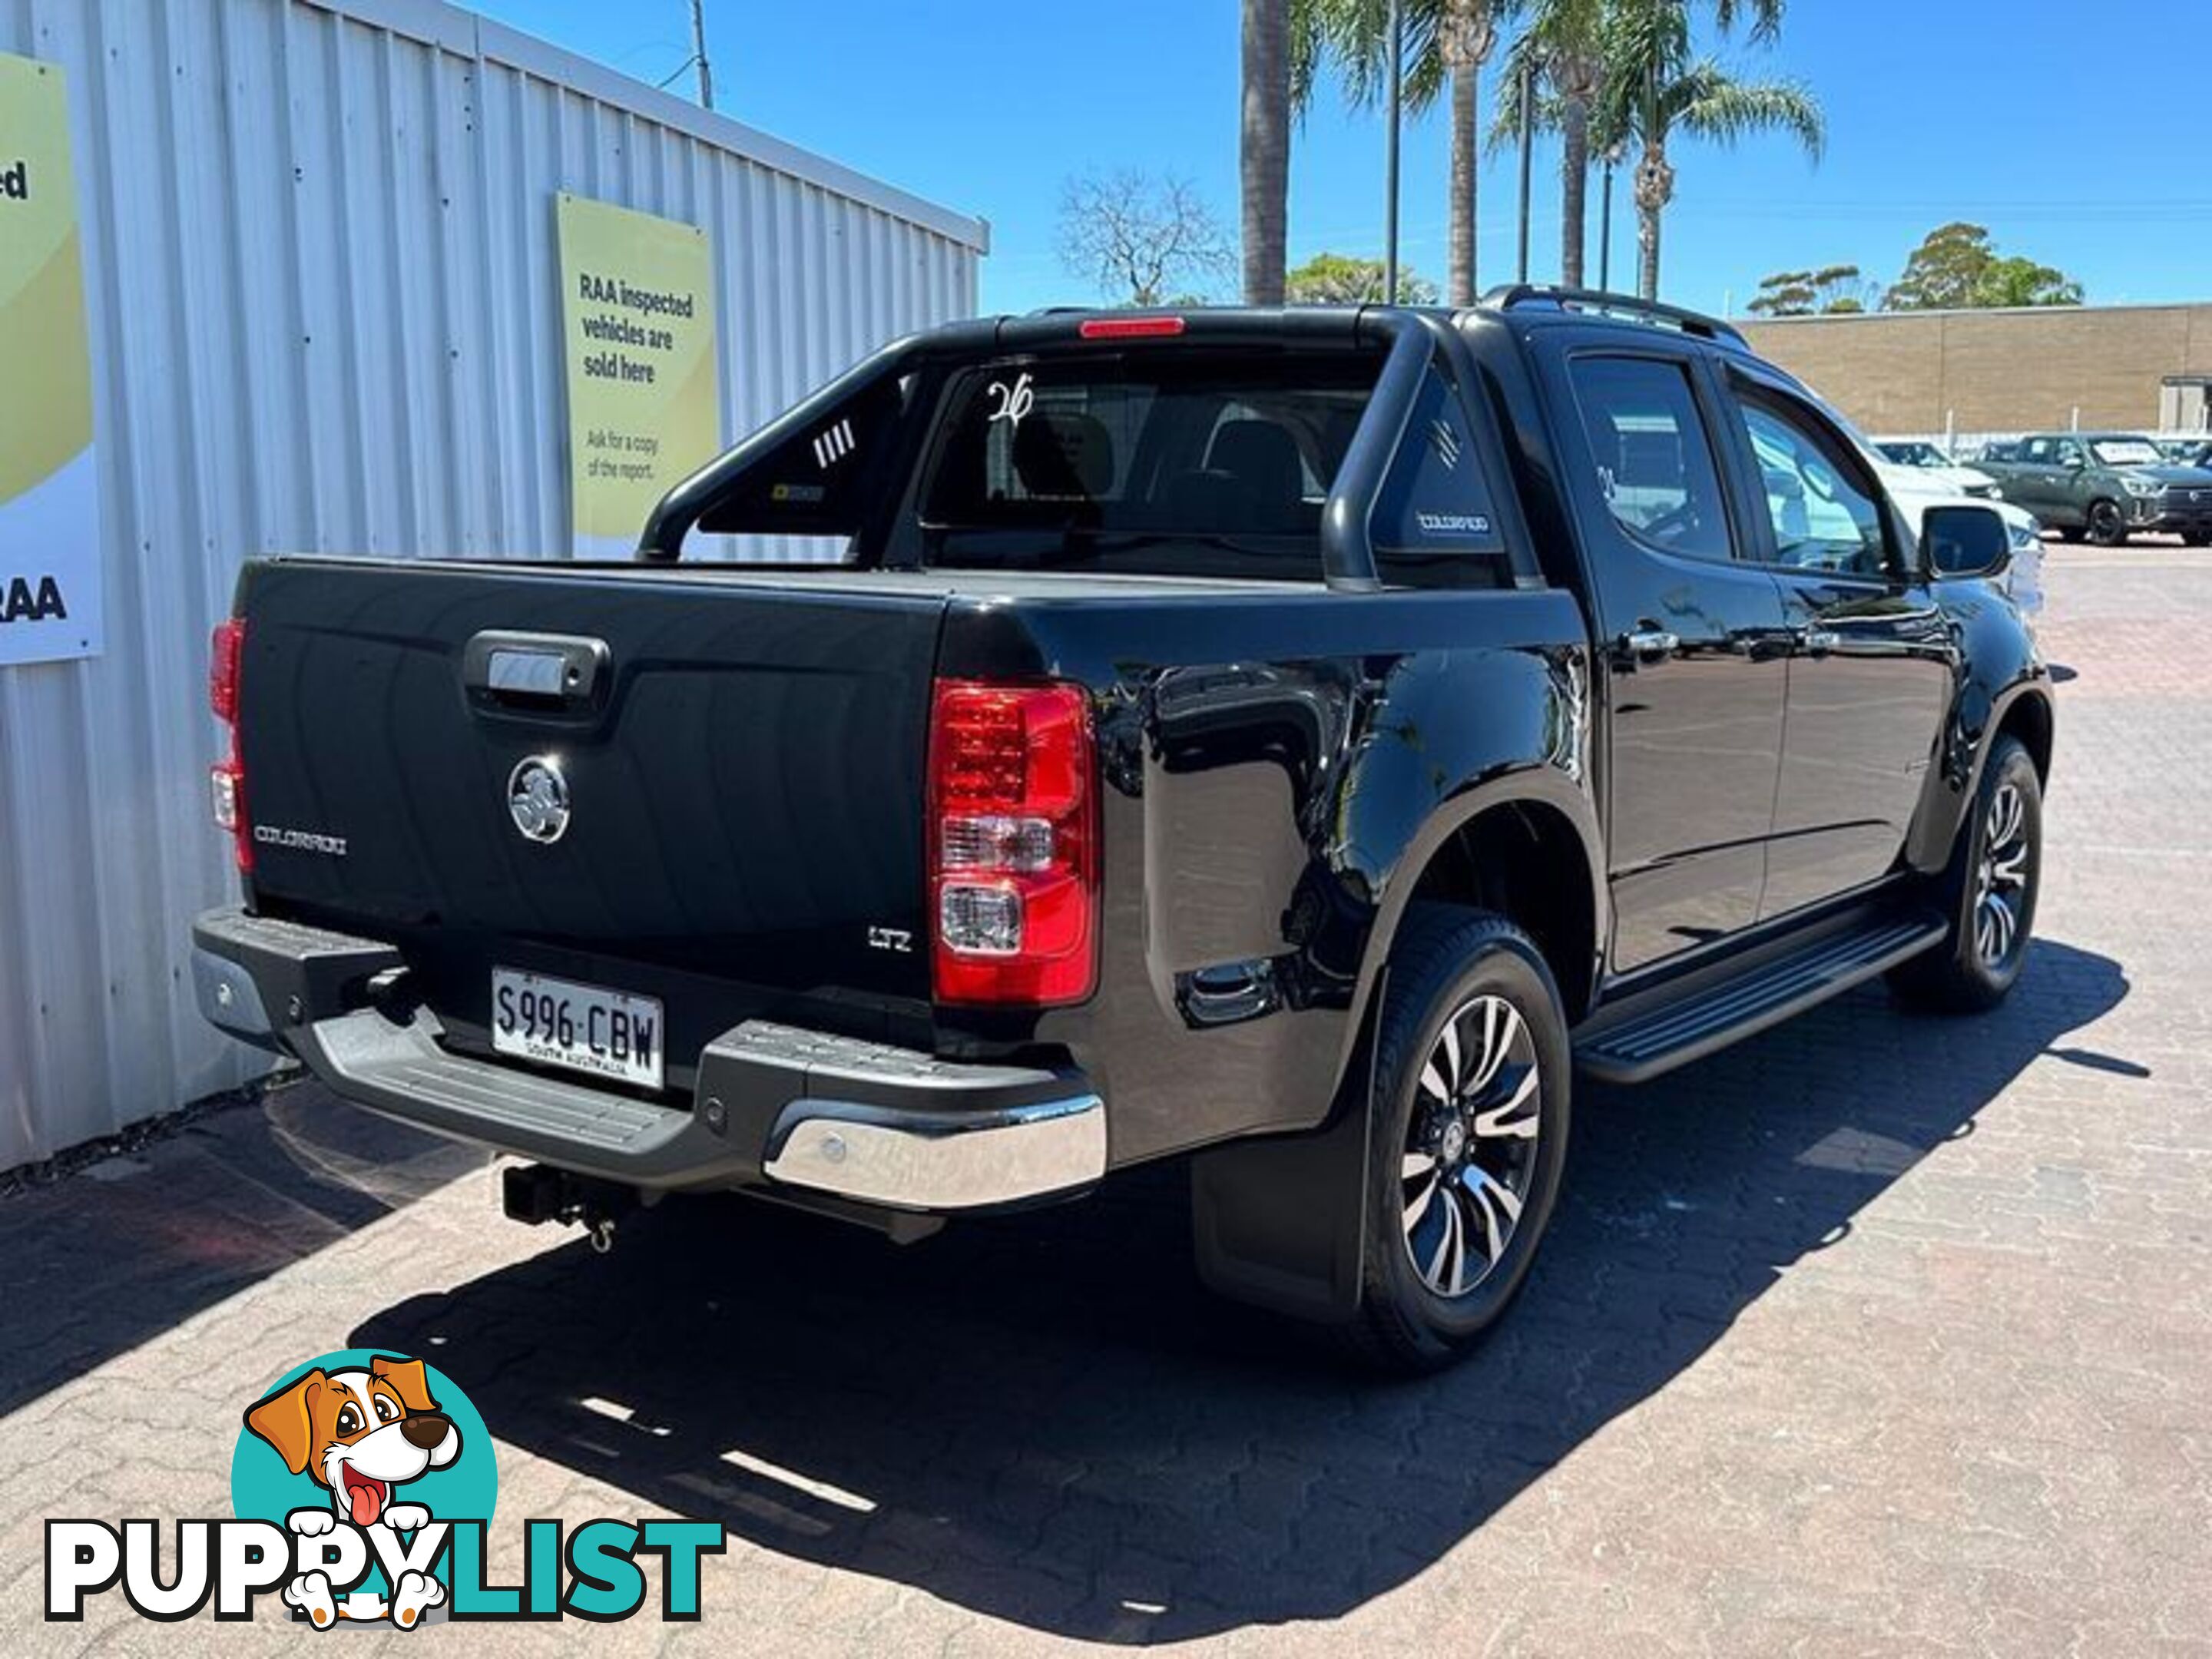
(742, 769)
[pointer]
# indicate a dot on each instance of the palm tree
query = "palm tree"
(1264, 149)
(1466, 34)
(1563, 45)
(1654, 88)
(1447, 44)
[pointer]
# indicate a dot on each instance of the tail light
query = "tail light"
(1013, 844)
(227, 778)
(1130, 328)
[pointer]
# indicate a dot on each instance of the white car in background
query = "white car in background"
(1923, 458)
(1917, 488)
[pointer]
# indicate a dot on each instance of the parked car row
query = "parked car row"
(2103, 486)
(1927, 462)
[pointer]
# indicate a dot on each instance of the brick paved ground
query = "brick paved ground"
(1878, 1334)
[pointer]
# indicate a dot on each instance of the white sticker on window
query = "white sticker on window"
(834, 445)
(1014, 401)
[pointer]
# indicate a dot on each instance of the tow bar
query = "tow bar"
(533, 1193)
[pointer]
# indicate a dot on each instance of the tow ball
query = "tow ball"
(534, 1194)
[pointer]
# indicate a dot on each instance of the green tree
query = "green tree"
(1957, 268)
(1654, 88)
(1341, 279)
(1826, 292)
(2020, 282)
(1945, 271)
(1447, 42)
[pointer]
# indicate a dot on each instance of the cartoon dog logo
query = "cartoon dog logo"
(361, 1433)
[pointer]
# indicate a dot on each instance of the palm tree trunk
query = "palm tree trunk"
(1655, 188)
(1466, 132)
(1647, 252)
(1574, 187)
(1265, 149)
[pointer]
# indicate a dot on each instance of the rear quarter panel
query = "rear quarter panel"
(1276, 767)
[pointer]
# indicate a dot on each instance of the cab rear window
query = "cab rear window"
(1157, 463)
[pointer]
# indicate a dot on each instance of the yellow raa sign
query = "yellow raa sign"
(644, 393)
(50, 597)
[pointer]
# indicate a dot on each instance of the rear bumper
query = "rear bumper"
(777, 1108)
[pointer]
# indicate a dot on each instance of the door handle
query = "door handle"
(1650, 644)
(503, 668)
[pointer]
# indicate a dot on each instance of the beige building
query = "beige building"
(2140, 366)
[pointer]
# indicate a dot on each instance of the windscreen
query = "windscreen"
(1175, 464)
(2125, 451)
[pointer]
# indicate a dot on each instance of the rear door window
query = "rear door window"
(1654, 458)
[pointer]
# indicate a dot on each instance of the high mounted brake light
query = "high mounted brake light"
(227, 778)
(1013, 844)
(1130, 328)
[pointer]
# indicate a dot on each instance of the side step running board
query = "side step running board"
(1685, 1019)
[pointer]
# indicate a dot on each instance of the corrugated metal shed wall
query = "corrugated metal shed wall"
(322, 274)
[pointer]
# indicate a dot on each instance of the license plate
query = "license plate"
(557, 1022)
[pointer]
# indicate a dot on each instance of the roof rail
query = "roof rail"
(1508, 295)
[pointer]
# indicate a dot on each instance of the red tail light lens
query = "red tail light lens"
(1013, 845)
(224, 650)
(227, 779)
(1130, 328)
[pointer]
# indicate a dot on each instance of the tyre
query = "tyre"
(1467, 1135)
(2108, 526)
(1988, 890)
(2197, 538)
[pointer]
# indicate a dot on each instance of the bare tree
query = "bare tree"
(1139, 237)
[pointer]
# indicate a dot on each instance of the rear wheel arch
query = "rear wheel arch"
(1523, 860)
(1522, 849)
(2027, 717)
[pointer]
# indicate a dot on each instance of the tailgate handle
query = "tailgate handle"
(533, 669)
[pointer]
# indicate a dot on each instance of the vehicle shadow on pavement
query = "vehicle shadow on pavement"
(189, 1218)
(1045, 1420)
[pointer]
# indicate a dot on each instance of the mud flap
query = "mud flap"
(1282, 1223)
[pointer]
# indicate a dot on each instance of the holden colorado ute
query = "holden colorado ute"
(1295, 742)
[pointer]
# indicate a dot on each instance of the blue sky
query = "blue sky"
(2084, 143)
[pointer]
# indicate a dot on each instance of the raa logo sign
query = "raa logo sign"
(51, 604)
(21, 601)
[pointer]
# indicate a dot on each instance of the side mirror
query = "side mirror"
(1965, 539)
(2071, 462)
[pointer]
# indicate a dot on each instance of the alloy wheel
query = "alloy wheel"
(2001, 879)
(1470, 1150)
